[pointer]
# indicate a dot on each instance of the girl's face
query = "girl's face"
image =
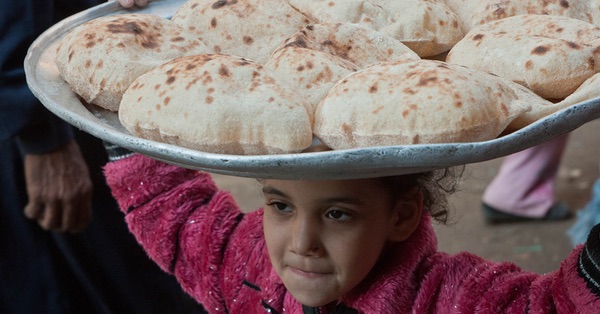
(324, 237)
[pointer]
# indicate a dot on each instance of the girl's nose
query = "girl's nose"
(305, 238)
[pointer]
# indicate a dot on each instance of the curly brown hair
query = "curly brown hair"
(435, 186)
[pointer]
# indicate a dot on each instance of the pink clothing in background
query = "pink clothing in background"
(524, 185)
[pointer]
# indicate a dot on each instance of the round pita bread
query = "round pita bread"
(427, 27)
(588, 90)
(425, 101)
(219, 104)
(473, 13)
(99, 59)
(551, 55)
(310, 72)
(248, 28)
(353, 42)
(318, 56)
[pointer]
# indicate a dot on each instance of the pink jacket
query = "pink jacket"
(218, 254)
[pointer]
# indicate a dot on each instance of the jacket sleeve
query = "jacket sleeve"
(466, 283)
(180, 218)
(21, 114)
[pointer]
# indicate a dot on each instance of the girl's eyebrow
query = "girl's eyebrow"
(272, 190)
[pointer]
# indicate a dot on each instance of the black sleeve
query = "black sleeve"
(589, 261)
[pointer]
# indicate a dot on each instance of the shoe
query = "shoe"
(558, 211)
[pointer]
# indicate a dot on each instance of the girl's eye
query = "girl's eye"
(279, 207)
(338, 215)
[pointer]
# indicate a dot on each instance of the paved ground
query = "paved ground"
(536, 246)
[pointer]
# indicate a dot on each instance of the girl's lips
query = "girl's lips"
(306, 273)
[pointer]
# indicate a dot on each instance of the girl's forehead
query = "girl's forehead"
(322, 186)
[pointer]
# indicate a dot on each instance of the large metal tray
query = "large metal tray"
(45, 82)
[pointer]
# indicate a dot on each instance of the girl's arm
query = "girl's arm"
(468, 284)
(180, 218)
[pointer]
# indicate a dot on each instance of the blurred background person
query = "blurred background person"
(64, 247)
(524, 188)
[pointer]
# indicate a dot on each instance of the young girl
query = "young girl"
(331, 246)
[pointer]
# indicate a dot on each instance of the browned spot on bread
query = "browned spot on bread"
(248, 40)
(478, 37)
(103, 84)
(529, 65)
(217, 48)
(540, 50)
(564, 4)
(206, 78)
(167, 101)
(458, 104)
(346, 128)
(504, 109)
(573, 45)
(309, 65)
(170, 80)
(271, 99)
(209, 100)
(405, 113)
(224, 71)
(300, 68)
(210, 90)
(71, 55)
(373, 89)
(120, 26)
(88, 63)
(409, 91)
(139, 99)
(192, 83)
(242, 62)
(424, 81)
(177, 39)
(158, 107)
(190, 66)
(221, 3)
(157, 86)
(213, 22)
(297, 43)
(377, 110)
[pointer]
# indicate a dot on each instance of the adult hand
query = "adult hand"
(59, 189)
(131, 3)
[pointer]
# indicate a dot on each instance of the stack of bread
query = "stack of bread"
(259, 77)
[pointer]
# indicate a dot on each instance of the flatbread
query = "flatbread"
(551, 55)
(588, 90)
(100, 59)
(248, 28)
(356, 43)
(318, 56)
(427, 27)
(473, 13)
(219, 104)
(416, 102)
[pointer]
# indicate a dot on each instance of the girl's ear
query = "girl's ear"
(406, 216)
